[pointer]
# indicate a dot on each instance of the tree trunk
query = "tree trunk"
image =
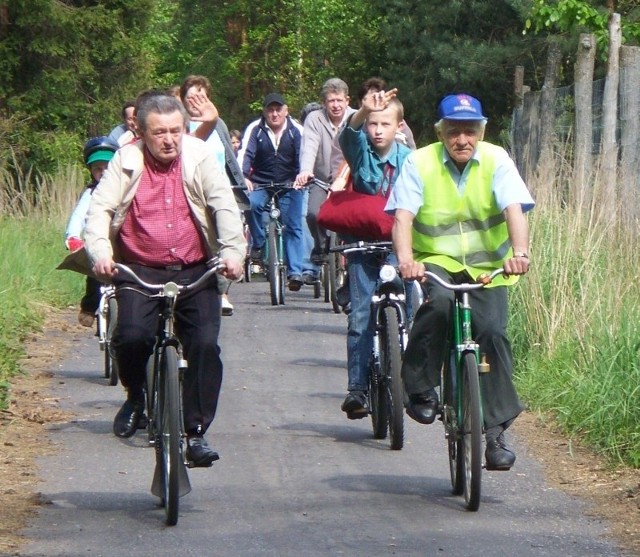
(583, 92)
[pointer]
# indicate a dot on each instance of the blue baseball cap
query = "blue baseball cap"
(460, 107)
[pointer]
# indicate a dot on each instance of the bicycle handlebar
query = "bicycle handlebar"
(215, 265)
(275, 186)
(367, 247)
(483, 280)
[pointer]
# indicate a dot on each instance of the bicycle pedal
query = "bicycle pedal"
(192, 464)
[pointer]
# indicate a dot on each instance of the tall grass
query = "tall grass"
(33, 214)
(576, 322)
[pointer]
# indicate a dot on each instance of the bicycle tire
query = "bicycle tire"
(317, 289)
(152, 398)
(335, 278)
(246, 277)
(169, 413)
(112, 323)
(450, 422)
(274, 274)
(377, 403)
(392, 378)
(281, 284)
(472, 431)
(326, 285)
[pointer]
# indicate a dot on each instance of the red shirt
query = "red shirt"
(159, 229)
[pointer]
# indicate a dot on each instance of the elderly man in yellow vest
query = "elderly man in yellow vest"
(459, 208)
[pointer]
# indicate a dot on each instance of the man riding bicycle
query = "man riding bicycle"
(459, 207)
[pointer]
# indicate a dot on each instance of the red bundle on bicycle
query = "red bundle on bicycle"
(356, 214)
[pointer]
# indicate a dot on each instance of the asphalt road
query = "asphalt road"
(295, 476)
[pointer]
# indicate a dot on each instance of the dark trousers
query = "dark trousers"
(197, 326)
(428, 346)
(91, 299)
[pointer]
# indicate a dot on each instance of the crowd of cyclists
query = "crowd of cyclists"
(458, 204)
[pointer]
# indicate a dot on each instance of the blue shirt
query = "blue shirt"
(368, 169)
(507, 185)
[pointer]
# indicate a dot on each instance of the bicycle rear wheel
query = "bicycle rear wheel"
(391, 362)
(110, 361)
(450, 421)
(472, 431)
(169, 413)
(275, 276)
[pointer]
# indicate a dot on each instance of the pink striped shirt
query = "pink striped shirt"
(159, 229)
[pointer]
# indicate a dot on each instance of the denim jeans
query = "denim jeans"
(291, 205)
(363, 269)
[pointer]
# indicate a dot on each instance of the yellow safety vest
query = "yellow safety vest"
(457, 231)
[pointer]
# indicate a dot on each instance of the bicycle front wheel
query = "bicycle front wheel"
(377, 404)
(275, 276)
(110, 361)
(471, 427)
(169, 412)
(391, 362)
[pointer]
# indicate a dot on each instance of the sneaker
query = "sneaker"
(85, 318)
(309, 278)
(257, 255)
(295, 283)
(227, 306)
(342, 295)
(355, 405)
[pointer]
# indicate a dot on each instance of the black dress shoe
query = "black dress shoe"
(199, 453)
(497, 455)
(423, 407)
(128, 418)
(355, 405)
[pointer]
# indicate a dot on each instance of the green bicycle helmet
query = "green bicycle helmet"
(99, 149)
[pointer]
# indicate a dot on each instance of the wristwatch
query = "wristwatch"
(521, 254)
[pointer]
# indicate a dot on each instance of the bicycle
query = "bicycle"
(107, 320)
(165, 372)
(460, 399)
(389, 311)
(274, 256)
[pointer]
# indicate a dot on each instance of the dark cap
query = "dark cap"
(460, 107)
(273, 98)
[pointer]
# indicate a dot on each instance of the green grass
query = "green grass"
(33, 215)
(575, 325)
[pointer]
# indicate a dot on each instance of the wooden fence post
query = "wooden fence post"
(609, 150)
(629, 128)
(583, 136)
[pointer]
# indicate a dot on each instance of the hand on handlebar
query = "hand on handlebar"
(516, 266)
(412, 270)
(302, 180)
(105, 269)
(233, 269)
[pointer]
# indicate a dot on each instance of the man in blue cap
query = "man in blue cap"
(459, 208)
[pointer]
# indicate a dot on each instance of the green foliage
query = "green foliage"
(564, 16)
(431, 48)
(66, 69)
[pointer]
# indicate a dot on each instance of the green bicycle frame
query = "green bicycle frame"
(463, 341)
